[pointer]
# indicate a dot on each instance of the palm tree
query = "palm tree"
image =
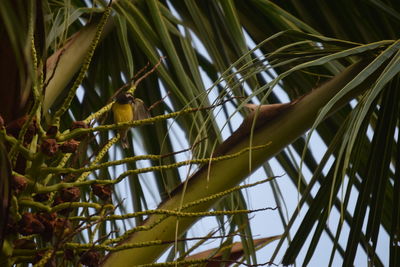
(64, 61)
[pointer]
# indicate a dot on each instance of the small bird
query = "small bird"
(126, 108)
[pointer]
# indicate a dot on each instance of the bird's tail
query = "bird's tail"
(124, 140)
(124, 143)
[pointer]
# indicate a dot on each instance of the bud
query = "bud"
(58, 200)
(69, 146)
(19, 183)
(48, 221)
(69, 177)
(14, 127)
(70, 194)
(49, 147)
(102, 191)
(90, 258)
(29, 224)
(77, 125)
(62, 227)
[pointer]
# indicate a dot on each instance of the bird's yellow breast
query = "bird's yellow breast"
(122, 112)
